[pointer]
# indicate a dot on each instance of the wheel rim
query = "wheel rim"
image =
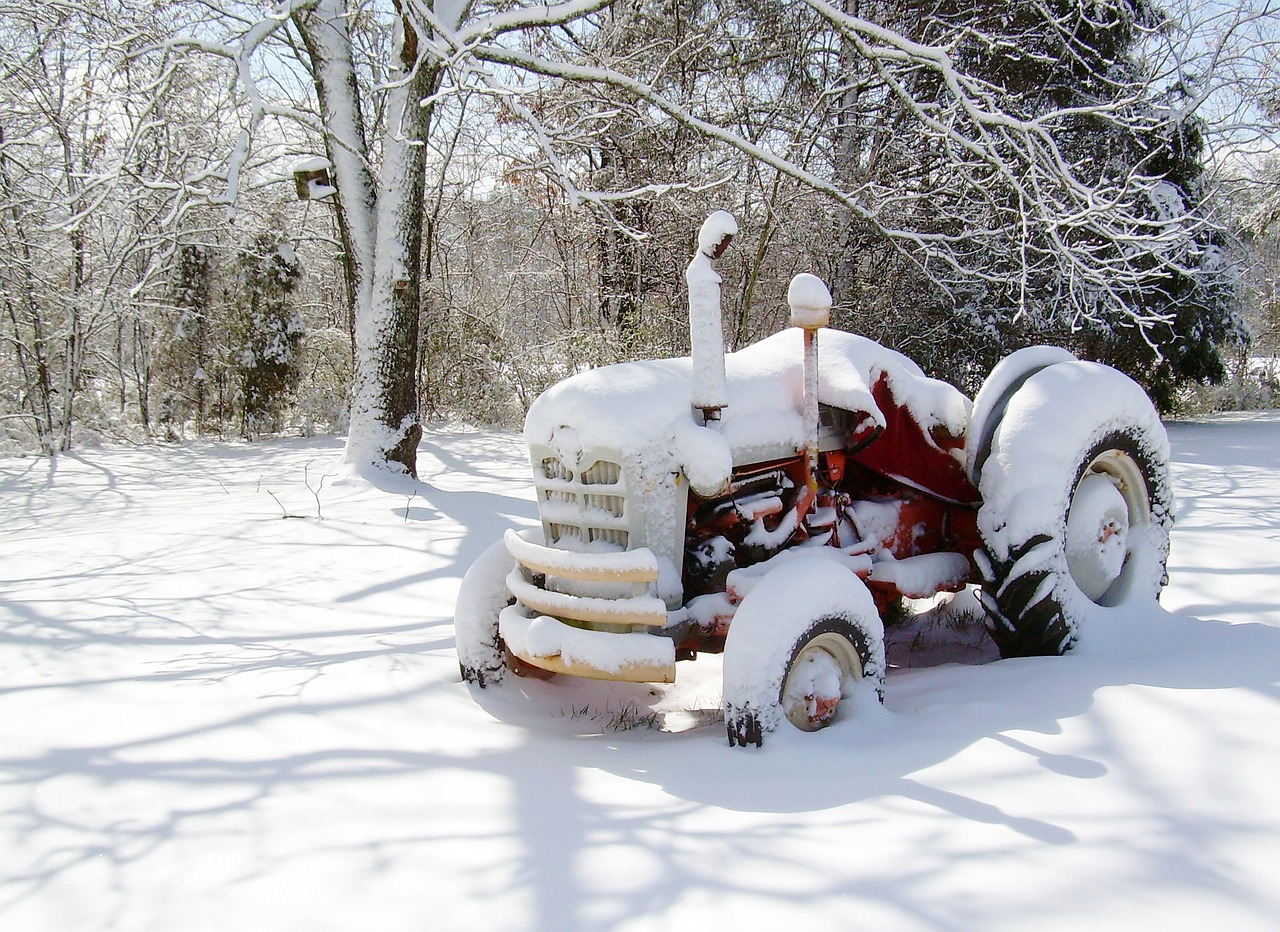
(816, 680)
(1109, 501)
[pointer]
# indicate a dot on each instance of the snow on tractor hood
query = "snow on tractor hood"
(643, 410)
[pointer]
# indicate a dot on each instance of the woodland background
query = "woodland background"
(970, 177)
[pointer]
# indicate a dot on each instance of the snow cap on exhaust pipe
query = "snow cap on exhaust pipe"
(810, 302)
(706, 333)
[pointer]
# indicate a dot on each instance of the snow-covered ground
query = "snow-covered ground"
(214, 716)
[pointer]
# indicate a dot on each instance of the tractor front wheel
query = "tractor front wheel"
(825, 660)
(803, 638)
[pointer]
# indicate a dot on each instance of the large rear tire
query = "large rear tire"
(1009, 375)
(1077, 506)
(801, 641)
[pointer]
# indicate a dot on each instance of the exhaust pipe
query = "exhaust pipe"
(706, 332)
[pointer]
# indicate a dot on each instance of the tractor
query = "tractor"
(772, 504)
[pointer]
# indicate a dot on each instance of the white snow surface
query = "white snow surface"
(212, 717)
(810, 301)
(614, 563)
(996, 389)
(924, 574)
(312, 164)
(645, 406)
(541, 636)
(718, 226)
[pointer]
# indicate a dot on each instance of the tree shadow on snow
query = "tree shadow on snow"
(928, 717)
(673, 812)
(877, 754)
(556, 823)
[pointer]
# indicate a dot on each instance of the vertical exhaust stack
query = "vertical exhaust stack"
(810, 310)
(706, 332)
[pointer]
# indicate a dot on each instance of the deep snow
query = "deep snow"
(213, 717)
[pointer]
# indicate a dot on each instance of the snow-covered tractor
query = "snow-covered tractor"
(772, 503)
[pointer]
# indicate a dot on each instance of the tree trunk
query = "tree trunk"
(844, 267)
(385, 422)
(32, 355)
(381, 223)
(326, 32)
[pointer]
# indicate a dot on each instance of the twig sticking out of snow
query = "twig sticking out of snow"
(315, 493)
(284, 512)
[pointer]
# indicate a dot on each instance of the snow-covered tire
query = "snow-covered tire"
(1009, 375)
(482, 595)
(1077, 506)
(803, 636)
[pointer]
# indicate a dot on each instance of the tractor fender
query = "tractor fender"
(1005, 379)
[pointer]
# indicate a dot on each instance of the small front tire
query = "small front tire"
(804, 636)
(826, 660)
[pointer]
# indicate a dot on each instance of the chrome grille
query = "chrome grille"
(616, 536)
(602, 472)
(613, 504)
(552, 468)
(582, 508)
(562, 532)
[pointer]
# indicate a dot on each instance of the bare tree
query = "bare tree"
(380, 181)
(955, 169)
(92, 156)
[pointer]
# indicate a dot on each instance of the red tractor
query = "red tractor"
(772, 503)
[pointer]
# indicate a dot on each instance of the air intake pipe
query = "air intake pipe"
(810, 303)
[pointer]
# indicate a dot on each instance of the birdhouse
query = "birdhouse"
(311, 179)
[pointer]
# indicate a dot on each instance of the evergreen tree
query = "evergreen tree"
(1072, 66)
(185, 360)
(269, 333)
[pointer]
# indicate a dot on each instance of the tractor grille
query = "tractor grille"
(582, 508)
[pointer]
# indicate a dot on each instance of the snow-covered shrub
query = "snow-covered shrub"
(269, 334)
(1252, 383)
(15, 439)
(325, 382)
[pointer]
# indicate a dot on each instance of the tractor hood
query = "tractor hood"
(643, 410)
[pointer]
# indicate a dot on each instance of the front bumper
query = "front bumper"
(592, 636)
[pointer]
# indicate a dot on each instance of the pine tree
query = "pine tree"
(269, 332)
(185, 358)
(1072, 65)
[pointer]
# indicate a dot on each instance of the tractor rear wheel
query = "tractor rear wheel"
(1076, 509)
